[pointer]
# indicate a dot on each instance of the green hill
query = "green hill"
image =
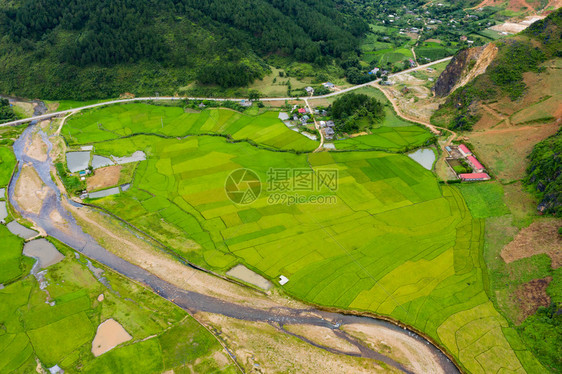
(504, 77)
(544, 174)
(85, 49)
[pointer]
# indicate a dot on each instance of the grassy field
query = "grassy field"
(164, 336)
(431, 51)
(7, 164)
(392, 242)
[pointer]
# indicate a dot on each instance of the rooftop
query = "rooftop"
(464, 149)
(475, 162)
(474, 176)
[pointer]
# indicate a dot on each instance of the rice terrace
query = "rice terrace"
(294, 186)
(394, 242)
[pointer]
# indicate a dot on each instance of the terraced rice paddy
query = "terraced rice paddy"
(392, 241)
(61, 332)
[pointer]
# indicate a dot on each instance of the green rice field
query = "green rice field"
(164, 336)
(122, 120)
(388, 240)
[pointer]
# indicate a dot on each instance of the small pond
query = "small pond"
(20, 230)
(44, 251)
(3, 210)
(423, 156)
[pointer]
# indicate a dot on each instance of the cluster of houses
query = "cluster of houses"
(301, 115)
(327, 127)
(462, 152)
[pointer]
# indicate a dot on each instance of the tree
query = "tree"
(254, 95)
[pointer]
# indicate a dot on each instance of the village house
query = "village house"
(475, 164)
(309, 90)
(329, 85)
(329, 133)
(473, 177)
(302, 111)
(463, 149)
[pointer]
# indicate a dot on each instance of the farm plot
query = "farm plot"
(392, 242)
(122, 120)
(61, 333)
(395, 139)
(7, 164)
(431, 51)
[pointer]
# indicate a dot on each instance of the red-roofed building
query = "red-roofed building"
(476, 165)
(470, 177)
(464, 150)
(302, 110)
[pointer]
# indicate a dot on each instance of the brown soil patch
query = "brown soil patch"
(56, 217)
(358, 134)
(323, 336)
(37, 149)
(413, 354)
(540, 237)
(109, 335)
(104, 177)
(262, 348)
(496, 147)
(531, 296)
(30, 190)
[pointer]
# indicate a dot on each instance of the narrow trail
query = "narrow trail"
(317, 126)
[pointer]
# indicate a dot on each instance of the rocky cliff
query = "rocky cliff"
(465, 66)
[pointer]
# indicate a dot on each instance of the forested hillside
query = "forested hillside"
(91, 49)
(6, 112)
(544, 174)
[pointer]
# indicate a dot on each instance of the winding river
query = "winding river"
(75, 237)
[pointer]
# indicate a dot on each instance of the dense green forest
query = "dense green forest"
(90, 49)
(504, 76)
(6, 112)
(352, 112)
(544, 174)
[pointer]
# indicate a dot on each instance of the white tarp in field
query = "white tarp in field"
(100, 162)
(77, 161)
(104, 193)
(135, 157)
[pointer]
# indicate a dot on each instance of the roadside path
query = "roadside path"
(434, 129)
(173, 98)
(317, 126)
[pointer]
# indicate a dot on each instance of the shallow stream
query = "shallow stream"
(75, 237)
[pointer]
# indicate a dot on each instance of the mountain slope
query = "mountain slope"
(520, 61)
(91, 49)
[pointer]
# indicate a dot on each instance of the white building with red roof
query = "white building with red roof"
(472, 177)
(475, 164)
(464, 150)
